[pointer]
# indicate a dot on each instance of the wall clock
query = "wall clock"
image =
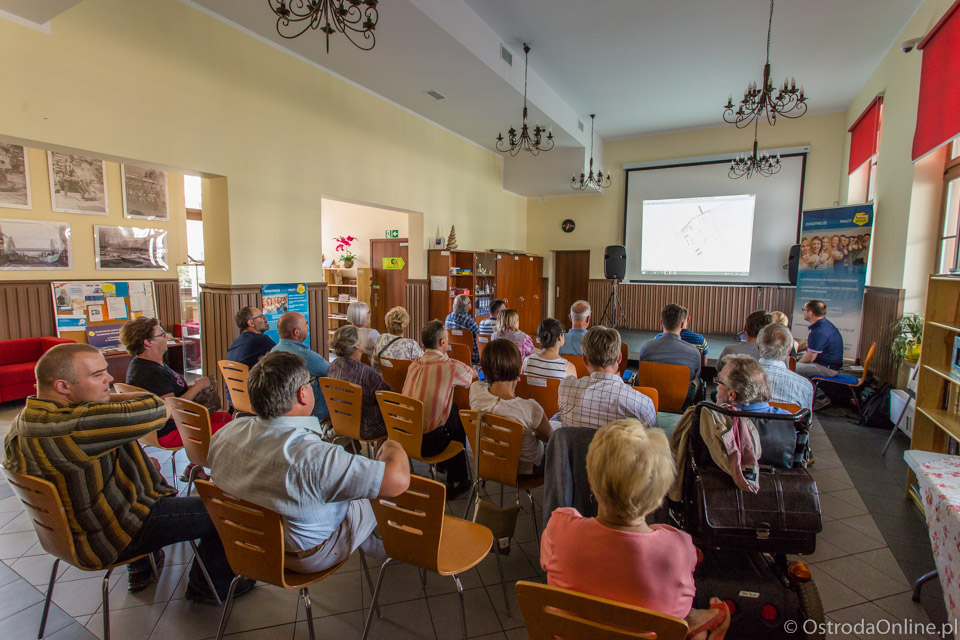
(568, 225)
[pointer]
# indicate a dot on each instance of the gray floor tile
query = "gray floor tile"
(14, 545)
(134, 623)
(863, 618)
(835, 508)
(345, 625)
(834, 594)
(158, 592)
(279, 632)
(854, 573)
(482, 619)
(7, 575)
(340, 593)
(73, 632)
(407, 621)
(838, 533)
(16, 596)
(36, 569)
(518, 634)
(26, 624)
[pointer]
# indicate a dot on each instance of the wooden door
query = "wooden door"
(571, 277)
(532, 294)
(387, 286)
(507, 289)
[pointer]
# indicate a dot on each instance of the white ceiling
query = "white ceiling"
(37, 11)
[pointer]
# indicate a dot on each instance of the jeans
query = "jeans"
(436, 441)
(173, 519)
(810, 369)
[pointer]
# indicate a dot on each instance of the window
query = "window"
(951, 214)
(862, 183)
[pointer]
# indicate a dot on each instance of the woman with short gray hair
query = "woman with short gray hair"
(358, 314)
(346, 346)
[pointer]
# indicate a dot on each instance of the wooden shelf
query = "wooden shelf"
(946, 420)
(351, 286)
(940, 325)
(341, 301)
(943, 372)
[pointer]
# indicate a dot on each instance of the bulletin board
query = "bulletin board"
(93, 311)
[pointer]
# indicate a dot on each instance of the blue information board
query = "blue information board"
(278, 299)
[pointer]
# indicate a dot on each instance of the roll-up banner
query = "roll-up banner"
(277, 299)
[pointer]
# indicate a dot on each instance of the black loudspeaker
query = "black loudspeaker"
(793, 261)
(615, 262)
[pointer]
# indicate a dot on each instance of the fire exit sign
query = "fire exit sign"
(392, 233)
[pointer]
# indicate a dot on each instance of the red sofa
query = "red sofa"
(17, 361)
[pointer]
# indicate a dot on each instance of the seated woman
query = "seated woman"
(393, 345)
(501, 362)
(547, 363)
(508, 328)
(617, 555)
(781, 318)
(345, 344)
(358, 314)
(743, 384)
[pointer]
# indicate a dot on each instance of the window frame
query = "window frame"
(951, 172)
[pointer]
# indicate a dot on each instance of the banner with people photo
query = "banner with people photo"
(834, 256)
(277, 299)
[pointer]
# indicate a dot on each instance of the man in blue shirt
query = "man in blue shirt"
(251, 344)
(579, 322)
(743, 384)
(824, 344)
(294, 333)
(461, 318)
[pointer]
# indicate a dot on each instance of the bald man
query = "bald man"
(294, 333)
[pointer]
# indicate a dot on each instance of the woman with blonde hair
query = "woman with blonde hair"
(508, 328)
(393, 345)
(358, 315)
(781, 318)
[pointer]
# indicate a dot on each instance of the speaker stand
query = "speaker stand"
(613, 311)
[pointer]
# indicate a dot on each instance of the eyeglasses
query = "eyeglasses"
(158, 335)
(256, 317)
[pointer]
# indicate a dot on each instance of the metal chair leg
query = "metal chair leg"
(373, 603)
(536, 529)
(925, 578)
(474, 491)
(203, 570)
(305, 594)
(896, 425)
(106, 603)
(366, 573)
(463, 609)
(190, 479)
(423, 577)
(173, 463)
(227, 607)
(46, 601)
(503, 581)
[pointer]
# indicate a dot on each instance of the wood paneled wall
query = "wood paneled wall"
(881, 307)
(168, 302)
(418, 306)
(545, 298)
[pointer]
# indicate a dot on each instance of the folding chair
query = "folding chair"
(193, 423)
(404, 419)
(482, 342)
(460, 352)
(235, 377)
(345, 402)
(544, 390)
(672, 382)
(848, 381)
(394, 372)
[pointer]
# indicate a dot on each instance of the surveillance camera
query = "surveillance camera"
(910, 45)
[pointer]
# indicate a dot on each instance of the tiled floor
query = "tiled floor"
(873, 545)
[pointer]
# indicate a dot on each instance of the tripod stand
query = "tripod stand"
(614, 314)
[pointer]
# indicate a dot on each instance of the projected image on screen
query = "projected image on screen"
(698, 236)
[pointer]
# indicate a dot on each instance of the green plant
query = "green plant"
(343, 247)
(908, 333)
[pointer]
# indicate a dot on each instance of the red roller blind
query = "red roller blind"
(938, 111)
(864, 134)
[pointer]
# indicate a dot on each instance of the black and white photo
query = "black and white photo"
(32, 244)
(144, 193)
(14, 177)
(130, 248)
(77, 184)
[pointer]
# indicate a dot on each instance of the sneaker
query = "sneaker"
(202, 595)
(457, 489)
(821, 402)
(137, 581)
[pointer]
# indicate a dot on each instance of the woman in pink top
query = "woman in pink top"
(508, 328)
(617, 555)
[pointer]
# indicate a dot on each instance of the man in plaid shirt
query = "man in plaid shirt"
(461, 318)
(775, 342)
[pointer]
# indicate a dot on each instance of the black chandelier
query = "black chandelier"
(352, 18)
(759, 163)
(789, 102)
(590, 180)
(535, 143)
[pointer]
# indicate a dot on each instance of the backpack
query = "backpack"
(875, 408)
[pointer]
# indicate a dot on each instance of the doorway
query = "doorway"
(388, 264)
(571, 277)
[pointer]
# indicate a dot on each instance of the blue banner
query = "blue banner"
(277, 299)
(834, 255)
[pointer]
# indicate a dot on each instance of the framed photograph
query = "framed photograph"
(14, 177)
(77, 184)
(32, 244)
(129, 248)
(144, 193)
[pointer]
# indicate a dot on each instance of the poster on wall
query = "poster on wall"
(834, 257)
(144, 193)
(277, 299)
(77, 184)
(14, 177)
(33, 244)
(130, 248)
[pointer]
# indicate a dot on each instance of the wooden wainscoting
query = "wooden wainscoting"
(418, 306)
(881, 307)
(168, 302)
(317, 296)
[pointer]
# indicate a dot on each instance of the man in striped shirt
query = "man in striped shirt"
(77, 435)
(488, 324)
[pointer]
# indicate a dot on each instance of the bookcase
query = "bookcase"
(473, 273)
(345, 286)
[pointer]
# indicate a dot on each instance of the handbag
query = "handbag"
(502, 521)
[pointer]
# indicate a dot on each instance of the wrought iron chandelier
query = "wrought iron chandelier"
(590, 180)
(789, 101)
(355, 19)
(759, 163)
(524, 141)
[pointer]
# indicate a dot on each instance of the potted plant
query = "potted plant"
(346, 256)
(908, 334)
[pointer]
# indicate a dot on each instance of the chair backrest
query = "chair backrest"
(482, 342)
(365, 359)
(394, 372)
(149, 439)
(651, 393)
(252, 536)
(866, 364)
(235, 377)
(579, 364)
(498, 452)
(792, 363)
(460, 352)
(345, 402)
(670, 380)
(404, 419)
(551, 612)
(45, 509)
(411, 523)
(624, 353)
(544, 390)
(193, 423)
(460, 336)
(786, 406)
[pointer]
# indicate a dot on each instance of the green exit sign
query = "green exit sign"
(392, 233)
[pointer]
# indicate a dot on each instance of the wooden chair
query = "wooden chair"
(579, 364)
(848, 381)
(482, 342)
(252, 537)
(394, 372)
(552, 612)
(45, 509)
(460, 352)
(544, 390)
(404, 419)
(651, 393)
(624, 354)
(460, 336)
(672, 382)
(786, 406)
(365, 359)
(193, 423)
(345, 402)
(150, 440)
(792, 364)
(235, 377)
(416, 531)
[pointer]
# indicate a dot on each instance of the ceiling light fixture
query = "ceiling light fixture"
(760, 163)
(589, 180)
(524, 141)
(789, 103)
(352, 18)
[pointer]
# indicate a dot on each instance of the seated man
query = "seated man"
(461, 318)
(775, 342)
(294, 333)
(430, 379)
(669, 348)
(751, 327)
(579, 323)
(489, 324)
(602, 396)
(277, 460)
(251, 344)
(692, 337)
(823, 346)
(743, 384)
(83, 439)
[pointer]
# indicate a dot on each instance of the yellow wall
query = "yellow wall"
(166, 83)
(363, 222)
(81, 226)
